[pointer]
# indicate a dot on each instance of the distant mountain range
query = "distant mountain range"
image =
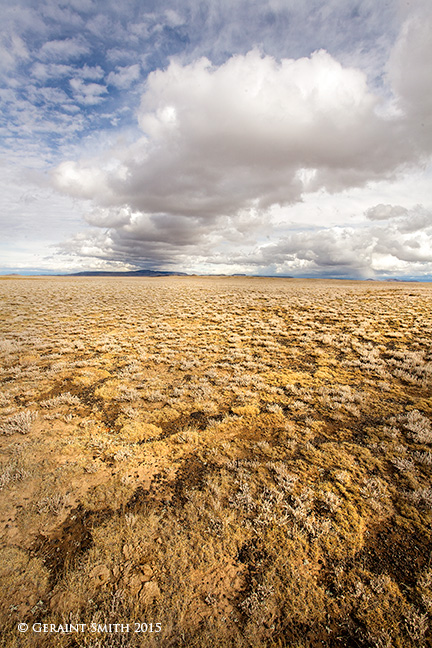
(162, 273)
(166, 273)
(127, 273)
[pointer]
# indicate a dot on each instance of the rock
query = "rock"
(128, 551)
(138, 580)
(147, 572)
(149, 592)
(135, 583)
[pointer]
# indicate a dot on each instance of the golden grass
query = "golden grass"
(245, 461)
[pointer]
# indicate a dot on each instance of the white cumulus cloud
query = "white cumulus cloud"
(252, 132)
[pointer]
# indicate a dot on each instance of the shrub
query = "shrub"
(20, 422)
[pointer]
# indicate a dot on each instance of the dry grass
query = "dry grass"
(245, 461)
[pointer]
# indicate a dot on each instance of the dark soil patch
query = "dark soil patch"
(252, 556)
(197, 420)
(140, 499)
(110, 413)
(109, 410)
(190, 476)
(397, 552)
(85, 394)
(71, 540)
(145, 499)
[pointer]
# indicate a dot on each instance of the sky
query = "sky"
(270, 137)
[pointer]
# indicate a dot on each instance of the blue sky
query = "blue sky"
(273, 137)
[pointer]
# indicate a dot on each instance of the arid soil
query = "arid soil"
(246, 462)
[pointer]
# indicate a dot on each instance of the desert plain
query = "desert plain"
(224, 461)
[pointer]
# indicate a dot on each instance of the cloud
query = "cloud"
(409, 250)
(155, 240)
(173, 18)
(148, 240)
(13, 50)
(321, 252)
(109, 217)
(92, 72)
(351, 252)
(410, 74)
(36, 114)
(222, 146)
(88, 94)
(52, 95)
(48, 71)
(404, 220)
(416, 219)
(384, 212)
(124, 77)
(69, 174)
(120, 55)
(64, 50)
(61, 15)
(251, 132)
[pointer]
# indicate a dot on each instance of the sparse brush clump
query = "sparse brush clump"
(12, 473)
(61, 399)
(18, 423)
(244, 462)
(419, 426)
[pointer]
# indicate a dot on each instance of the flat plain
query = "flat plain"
(245, 461)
